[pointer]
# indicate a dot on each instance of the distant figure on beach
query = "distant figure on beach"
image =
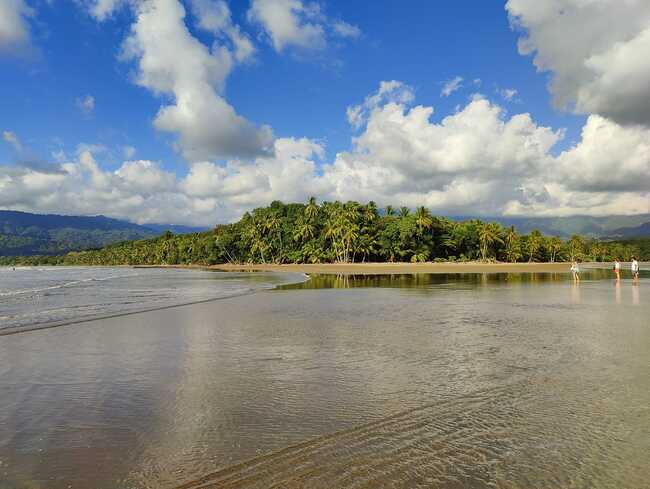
(635, 269)
(617, 269)
(575, 271)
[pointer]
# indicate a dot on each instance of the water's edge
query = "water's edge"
(96, 317)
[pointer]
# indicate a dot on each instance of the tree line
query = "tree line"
(345, 232)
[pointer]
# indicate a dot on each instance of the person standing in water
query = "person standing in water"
(617, 269)
(635, 269)
(575, 271)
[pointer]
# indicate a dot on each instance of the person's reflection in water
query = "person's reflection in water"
(635, 293)
(575, 293)
(617, 287)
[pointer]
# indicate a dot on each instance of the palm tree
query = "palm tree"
(404, 211)
(488, 234)
(311, 210)
(513, 247)
(390, 211)
(533, 243)
(423, 219)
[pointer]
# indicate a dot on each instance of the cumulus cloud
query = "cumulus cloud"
(609, 157)
(143, 191)
(474, 159)
(289, 22)
(478, 160)
(450, 86)
(86, 105)
(214, 16)
(173, 62)
(14, 27)
(297, 23)
(389, 91)
(596, 52)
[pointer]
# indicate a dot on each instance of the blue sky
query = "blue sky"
(71, 96)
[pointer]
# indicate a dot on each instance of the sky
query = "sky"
(195, 111)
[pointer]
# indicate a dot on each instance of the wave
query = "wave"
(103, 297)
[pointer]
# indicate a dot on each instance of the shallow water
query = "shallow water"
(407, 381)
(40, 297)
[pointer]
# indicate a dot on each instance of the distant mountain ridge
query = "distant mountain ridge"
(588, 226)
(636, 232)
(24, 233)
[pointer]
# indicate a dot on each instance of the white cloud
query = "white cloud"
(173, 62)
(102, 10)
(596, 50)
(478, 160)
(14, 28)
(508, 94)
(450, 86)
(389, 91)
(214, 16)
(289, 22)
(298, 23)
(86, 105)
(343, 29)
(12, 139)
(145, 177)
(609, 157)
(472, 161)
(142, 191)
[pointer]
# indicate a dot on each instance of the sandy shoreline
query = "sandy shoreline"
(392, 268)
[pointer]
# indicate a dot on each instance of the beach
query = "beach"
(430, 380)
(396, 268)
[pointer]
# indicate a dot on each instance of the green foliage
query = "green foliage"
(342, 232)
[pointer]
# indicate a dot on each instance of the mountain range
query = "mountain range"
(23, 233)
(588, 226)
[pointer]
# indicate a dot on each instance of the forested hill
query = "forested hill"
(23, 233)
(347, 232)
(587, 226)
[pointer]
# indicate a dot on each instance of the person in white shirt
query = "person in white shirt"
(617, 269)
(575, 271)
(635, 269)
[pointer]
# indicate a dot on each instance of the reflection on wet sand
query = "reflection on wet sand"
(395, 381)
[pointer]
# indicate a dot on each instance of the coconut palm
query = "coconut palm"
(311, 209)
(423, 219)
(488, 235)
(533, 243)
(513, 245)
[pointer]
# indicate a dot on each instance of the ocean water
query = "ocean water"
(40, 297)
(404, 381)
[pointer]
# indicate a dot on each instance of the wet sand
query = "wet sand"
(398, 268)
(466, 381)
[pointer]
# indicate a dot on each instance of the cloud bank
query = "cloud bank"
(596, 52)
(478, 160)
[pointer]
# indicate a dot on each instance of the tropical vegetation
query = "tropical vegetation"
(345, 232)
